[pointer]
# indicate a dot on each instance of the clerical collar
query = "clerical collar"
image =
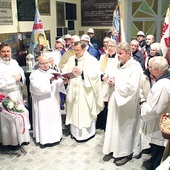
(112, 56)
(80, 58)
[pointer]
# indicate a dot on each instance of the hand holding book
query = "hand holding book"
(68, 75)
(77, 71)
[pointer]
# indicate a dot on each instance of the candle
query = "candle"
(29, 65)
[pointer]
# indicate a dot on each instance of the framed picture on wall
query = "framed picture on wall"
(44, 7)
(59, 32)
(71, 32)
(60, 14)
(65, 31)
(71, 13)
(25, 10)
(19, 41)
(70, 25)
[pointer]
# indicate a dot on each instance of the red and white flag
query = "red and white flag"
(165, 38)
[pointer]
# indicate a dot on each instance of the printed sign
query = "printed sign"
(5, 12)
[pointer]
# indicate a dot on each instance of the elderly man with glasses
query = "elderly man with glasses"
(45, 88)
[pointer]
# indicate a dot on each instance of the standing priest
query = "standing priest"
(84, 98)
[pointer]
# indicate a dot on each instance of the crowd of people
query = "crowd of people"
(121, 88)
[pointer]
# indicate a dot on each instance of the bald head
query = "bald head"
(43, 62)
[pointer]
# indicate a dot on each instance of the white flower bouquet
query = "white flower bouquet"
(10, 104)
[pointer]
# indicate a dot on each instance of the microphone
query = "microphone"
(76, 62)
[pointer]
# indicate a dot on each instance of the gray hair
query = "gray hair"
(75, 38)
(134, 42)
(156, 46)
(160, 62)
(124, 46)
(112, 41)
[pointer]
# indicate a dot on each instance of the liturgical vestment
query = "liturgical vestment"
(84, 98)
(122, 135)
(47, 125)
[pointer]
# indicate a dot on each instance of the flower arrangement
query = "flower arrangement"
(10, 104)
(165, 125)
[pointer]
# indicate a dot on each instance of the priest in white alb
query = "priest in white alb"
(84, 98)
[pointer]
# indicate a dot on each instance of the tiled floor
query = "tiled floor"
(68, 155)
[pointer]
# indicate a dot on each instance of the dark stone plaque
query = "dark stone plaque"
(59, 32)
(71, 13)
(65, 30)
(70, 25)
(26, 10)
(97, 12)
(60, 14)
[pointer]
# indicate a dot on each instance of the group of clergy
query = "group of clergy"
(111, 94)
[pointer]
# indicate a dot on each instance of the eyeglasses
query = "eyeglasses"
(44, 63)
(77, 50)
(58, 48)
(153, 50)
(110, 46)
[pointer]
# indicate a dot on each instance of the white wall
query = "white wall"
(49, 22)
(14, 27)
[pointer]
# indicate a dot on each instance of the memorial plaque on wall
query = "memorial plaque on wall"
(60, 13)
(70, 25)
(44, 7)
(26, 10)
(97, 12)
(71, 12)
(65, 30)
(59, 32)
(5, 12)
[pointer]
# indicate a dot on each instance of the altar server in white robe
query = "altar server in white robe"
(84, 98)
(122, 137)
(12, 76)
(47, 125)
(157, 103)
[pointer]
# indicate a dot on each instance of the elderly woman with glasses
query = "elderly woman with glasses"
(155, 50)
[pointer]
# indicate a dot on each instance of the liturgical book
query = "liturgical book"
(63, 75)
